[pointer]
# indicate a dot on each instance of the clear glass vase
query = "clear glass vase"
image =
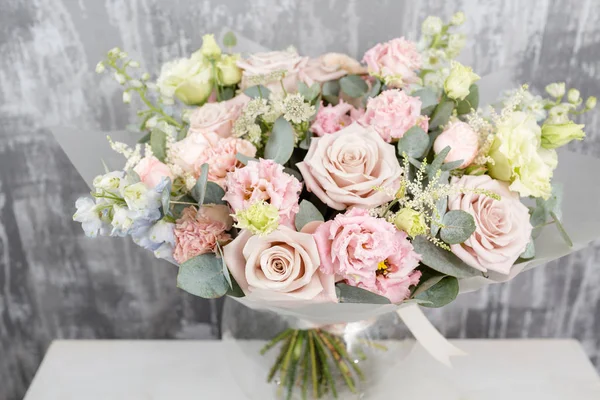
(306, 361)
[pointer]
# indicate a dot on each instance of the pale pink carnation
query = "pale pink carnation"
(392, 113)
(396, 62)
(264, 180)
(331, 119)
(353, 244)
(151, 171)
(198, 231)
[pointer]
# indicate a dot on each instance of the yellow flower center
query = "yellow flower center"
(383, 268)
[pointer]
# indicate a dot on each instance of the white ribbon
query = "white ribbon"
(427, 335)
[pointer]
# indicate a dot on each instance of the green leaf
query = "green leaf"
(178, 208)
(258, 91)
(307, 213)
(305, 143)
(294, 173)
(145, 138)
(227, 93)
(352, 294)
(541, 214)
(354, 86)
(244, 159)
(203, 276)
(199, 189)
(331, 91)
(213, 194)
(428, 100)
(471, 101)
(441, 114)
(442, 260)
(441, 206)
(529, 251)
(309, 93)
(458, 226)
(375, 89)
(449, 166)
(235, 290)
(224, 267)
(438, 161)
(229, 40)
(437, 291)
(158, 143)
(561, 229)
(280, 145)
(414, 142)
(182, 133)
(165, 198)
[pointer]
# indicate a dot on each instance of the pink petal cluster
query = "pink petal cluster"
(395, 61)
(198, 231)
(353, 245)
(151, 171)
(264, 180)
(217, 117)
(331, 119)
(463, 142)
(392, 113)
(221, 158)
(329, 67)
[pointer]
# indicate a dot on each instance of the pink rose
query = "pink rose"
(329, 67)
(279, 267)
(331, 119)
(368, 252)
(345, 168)
(151, 171)
(396, 62)
(392, 113)
(273, 61)
(502, 226)
(186, 152)
(463, 141)
(264, 180)
(198, 231)
(217, 117)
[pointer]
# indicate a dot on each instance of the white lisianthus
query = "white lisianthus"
(556, 89)
(458, 82)
(188, 79)
(432, 25)
(518, 158)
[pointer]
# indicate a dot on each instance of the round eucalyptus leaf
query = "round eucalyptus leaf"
(457, 227)
(280, 145)
(203, 276)
(414, 142)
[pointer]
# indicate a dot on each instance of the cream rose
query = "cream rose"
(270, 62)
(217, 117)
(502, 226)
(281, 266)
(345, 168)
(329, 67)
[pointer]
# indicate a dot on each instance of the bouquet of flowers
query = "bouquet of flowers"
(299, 184)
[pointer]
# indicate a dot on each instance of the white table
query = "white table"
(173, 370)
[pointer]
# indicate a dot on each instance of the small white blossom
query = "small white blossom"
(145, 76)
(126, 97)
(432, 26)
(100, 67)
(120, 78)
(573, 96)
(134, 64)
(590, 102)
(458, 18)
(296, 110)
(136, 83)
(151, 123)
(556, 89)
(114, 52)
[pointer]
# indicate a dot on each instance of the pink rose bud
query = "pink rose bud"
(151, 171)
(463, 141)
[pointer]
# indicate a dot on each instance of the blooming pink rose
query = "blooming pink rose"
(273, 61)
(396, 62)
(221, 157)
(264, 180)
(329, 67)
(217, 117)
(152, 171)
(463, 142)
(198, 231)
(368, 252)
(502, 226)
(279, 267)
(392, 113)
(331, 119)
(186, 152)
(345, 168)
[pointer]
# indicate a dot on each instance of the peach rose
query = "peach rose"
(502, 226)
(270, 62)
(463, 142)
(282, 266)
(151, 171)
(217, 117)
(345, 168)
(329, 67)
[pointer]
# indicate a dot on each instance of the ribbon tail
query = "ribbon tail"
(427, 335)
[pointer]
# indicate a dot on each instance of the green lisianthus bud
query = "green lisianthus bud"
(556, 89)
(410, 221)
(590, 102)
(458, 82)
(229, 72)
(210, 48)
(260, 218)
(557, 135)
(573, 96)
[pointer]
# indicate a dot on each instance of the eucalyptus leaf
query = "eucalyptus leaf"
(449, 166)
(429, 100)
(181, 204)
(441, 206)
(441, 114)
(224, 267)
(438, 161)
(437, 291)
(309, 93)
(353, 294)
(305, 143)
(470, 102)
(199, 189)
(414, 142)
(458, 226)
(182, 133)
(158, 143)
(145, 138)
(258, 91)
(203, 276)
(307, 213)
(354, 86)
(375, 89)
(227, 93)
(280, 145)
(236, 290)
(244, 159)
(442, 260)
(561, 230)
(213, 194)
(529, 252)
(331, 91)
(229, 40)
(165, 197)
(294, 173)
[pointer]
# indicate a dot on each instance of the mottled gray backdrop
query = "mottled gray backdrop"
(55, 283)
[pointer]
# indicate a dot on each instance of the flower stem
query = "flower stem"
(286, 361)
(313, 359)
(275, 340)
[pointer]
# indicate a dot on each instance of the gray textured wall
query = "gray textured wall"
(55, 283)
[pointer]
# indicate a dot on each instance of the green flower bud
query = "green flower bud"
(557, 135)
(590, 102)
(210, 48)
(458, 18)
(100, 68)
(260, 218)
(410, 221)
(458, 82)
(500, 169)
(229, 73)
(573, 96)
(556, 89)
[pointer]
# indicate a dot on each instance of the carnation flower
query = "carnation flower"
(395, 62)
(392, 113)
(198, 231)
(264, 180)
(331, 119)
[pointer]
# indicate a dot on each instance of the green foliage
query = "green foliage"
(457, 227)
(258, 91)
(441, 114)
(429, 100)
(441, 260)
(229, 40)
(203, 276)
(331, 92)
(353, 294)
(354, 86)
(309, 93)
(414, 142)
(307, 213)
(437, 291)
(158, 143)
(199, 189)
(470, 102)
(280, 145)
